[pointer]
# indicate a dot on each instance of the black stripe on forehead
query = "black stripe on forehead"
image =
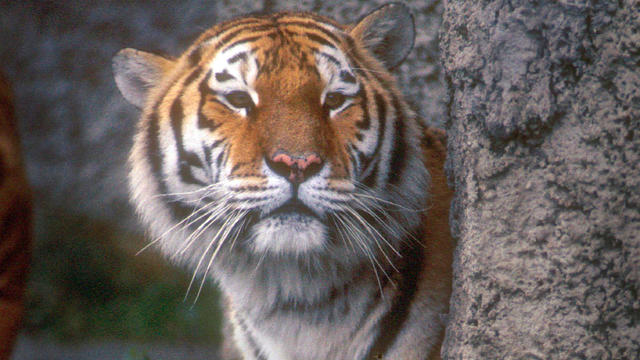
(317, 38)
(195, 54)
(224, 76)
(308, 16)
(224, 41)
(231, 25)
(237, 57)
(331, 58)
(232, 28)
(347, 77)
(247, 40)
(312, 25)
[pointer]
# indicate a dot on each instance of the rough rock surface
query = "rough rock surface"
(76, 127)
(544, 152)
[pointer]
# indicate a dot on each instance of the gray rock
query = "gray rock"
(544, 153)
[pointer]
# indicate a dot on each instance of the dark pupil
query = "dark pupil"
(239, 99)
(334, 100)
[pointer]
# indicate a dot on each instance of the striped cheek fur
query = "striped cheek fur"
(278, 157)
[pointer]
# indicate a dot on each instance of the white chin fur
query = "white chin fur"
(288, 234)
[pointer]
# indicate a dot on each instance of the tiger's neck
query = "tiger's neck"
(272, 282)
(360, 302)
(267, 284)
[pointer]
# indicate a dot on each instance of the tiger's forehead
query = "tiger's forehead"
(311, 26)
(273, 44)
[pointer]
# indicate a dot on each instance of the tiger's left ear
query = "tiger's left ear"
(136, 72)
(388, 33)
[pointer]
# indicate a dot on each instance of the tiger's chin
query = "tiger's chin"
(288, 234)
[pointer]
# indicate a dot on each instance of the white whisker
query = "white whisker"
(366, 248)
(392, 231)
(228, 227)
(375, 235)
(213, 216)
(204, 253)
(368, 193)
(179, 224)
(367, 252)
(215, 187)
(380, 221)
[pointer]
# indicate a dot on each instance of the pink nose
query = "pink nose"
(296, 169)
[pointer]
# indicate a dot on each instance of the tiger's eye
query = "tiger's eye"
(334, 100)
(240, 99)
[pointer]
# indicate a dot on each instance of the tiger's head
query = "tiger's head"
(276, 136)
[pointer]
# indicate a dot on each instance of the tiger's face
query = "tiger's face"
(277, 118)
(276, 135)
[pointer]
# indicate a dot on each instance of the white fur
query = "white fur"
(244, 80)
(329, 73)
(292, 235)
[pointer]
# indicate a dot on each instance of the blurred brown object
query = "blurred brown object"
(15, 225)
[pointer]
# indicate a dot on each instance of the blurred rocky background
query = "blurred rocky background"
(86, 283)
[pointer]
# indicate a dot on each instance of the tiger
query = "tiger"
(15, 225)
(278, 158)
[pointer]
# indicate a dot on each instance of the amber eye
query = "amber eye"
(240, 99)
(334, 100)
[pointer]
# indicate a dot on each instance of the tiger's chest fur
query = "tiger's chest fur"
(277, 157)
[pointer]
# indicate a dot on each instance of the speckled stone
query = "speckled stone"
(544, 152)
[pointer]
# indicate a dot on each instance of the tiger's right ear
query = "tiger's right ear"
(136, 72)
(388, 33)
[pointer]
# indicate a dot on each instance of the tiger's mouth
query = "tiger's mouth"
(292, 207)
(291, 228)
